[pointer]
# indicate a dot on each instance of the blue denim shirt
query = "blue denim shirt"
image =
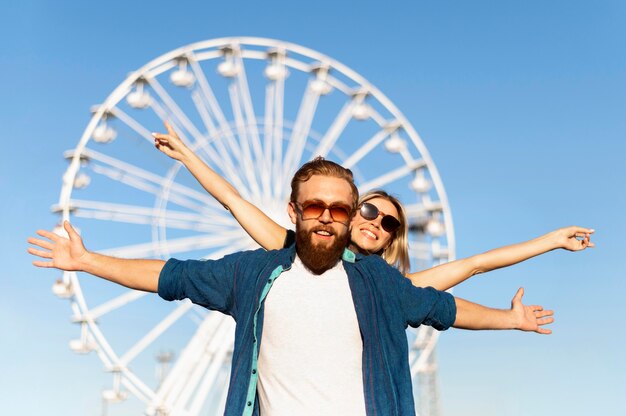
(385, 303)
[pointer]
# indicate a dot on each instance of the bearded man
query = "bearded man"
(320, 330)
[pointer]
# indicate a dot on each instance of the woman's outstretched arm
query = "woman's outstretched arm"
(448, 275)
(259, 226)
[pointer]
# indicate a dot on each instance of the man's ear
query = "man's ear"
(291, 210)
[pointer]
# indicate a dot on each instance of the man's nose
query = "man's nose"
(326, 218)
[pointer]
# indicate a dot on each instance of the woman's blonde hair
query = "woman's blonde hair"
(397, 252)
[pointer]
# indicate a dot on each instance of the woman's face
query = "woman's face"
(368, 235)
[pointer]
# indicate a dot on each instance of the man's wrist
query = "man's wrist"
(86, 262)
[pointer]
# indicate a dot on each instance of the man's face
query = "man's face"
(320, 241)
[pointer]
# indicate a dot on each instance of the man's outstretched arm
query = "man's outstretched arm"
(470, 315)
(71, 255)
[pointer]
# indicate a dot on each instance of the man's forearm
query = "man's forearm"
(471, 315)
(135, 274)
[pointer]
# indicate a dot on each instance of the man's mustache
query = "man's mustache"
(326, 228)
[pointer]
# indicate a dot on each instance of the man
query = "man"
(320, 330)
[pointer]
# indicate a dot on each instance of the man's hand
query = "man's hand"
(170, 143)
(573, 238)
(65, 254)
(530, 318)
(70, 254)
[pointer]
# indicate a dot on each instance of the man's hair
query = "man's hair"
(323, 167)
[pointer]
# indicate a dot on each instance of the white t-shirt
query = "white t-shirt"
(311, 348)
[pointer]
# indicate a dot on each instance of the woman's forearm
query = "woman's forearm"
(448, 275)
(267, 233)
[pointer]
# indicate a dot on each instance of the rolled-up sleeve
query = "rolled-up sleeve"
(207, 283)
(427, 306)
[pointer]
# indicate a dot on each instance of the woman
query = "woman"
(378, 227)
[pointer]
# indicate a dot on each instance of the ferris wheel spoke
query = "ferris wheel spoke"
(198, 138)
(427, 207)
(155, 332)
(206, 361)
(196, 97)
(425, 354)
(391, 176)
(339, 124)
(207, 95)
(274, 109)
(135, 177)
(178, 245)
(300, 132)
(251, 121)
(228, 167)
(365, 149)
(242, 244)
(242, 130)
(148, 215)
(170, 389)
(270, 97)
(127, 383)
(132, 123)
(222, 344)
(173, 108)
(115, 303)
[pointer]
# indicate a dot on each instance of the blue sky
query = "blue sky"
(521, 105)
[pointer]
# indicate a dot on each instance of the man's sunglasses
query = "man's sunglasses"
(312, 210)
(371, 212)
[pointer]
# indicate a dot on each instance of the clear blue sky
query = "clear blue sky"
(521, 104)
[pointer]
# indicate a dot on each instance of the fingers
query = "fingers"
(40, 253)
(580, 230)
(545, 321)
(160, 138)
(41, 243)
(49, 235)
(45, 264)
(535, 308)
(543, 331)
(542, 313)
(71, 232)
(169, 128)
(518, 295)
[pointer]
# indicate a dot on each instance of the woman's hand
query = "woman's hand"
(171, 144)
(573, 238)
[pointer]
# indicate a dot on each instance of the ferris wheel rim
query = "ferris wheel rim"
(123, 89)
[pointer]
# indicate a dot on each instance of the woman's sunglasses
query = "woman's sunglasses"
(312, 210)
(371, 212)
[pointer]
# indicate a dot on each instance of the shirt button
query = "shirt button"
(253, 371)
(269, 280)
(249, 403)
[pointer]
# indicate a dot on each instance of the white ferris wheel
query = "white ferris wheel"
(254, 109)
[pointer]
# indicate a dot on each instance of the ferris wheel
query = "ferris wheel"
(254, 109)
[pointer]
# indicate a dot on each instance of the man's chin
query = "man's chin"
(319, 253)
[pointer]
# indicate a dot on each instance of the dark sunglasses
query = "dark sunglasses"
(371, 212)
(312, 210)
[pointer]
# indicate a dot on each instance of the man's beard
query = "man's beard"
(319, 257)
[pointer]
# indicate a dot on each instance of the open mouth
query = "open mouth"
(323, 233)
(369, 234)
